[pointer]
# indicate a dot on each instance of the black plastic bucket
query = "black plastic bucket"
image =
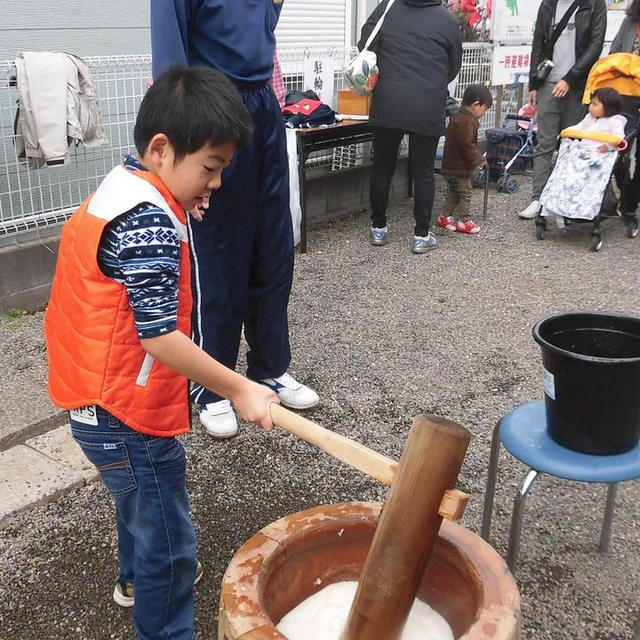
(591, 380)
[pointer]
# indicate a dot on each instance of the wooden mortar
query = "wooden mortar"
(452, 570)
(465, 580)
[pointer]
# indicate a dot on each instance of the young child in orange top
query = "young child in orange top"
(118, 336)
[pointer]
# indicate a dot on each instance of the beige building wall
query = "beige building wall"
(82, 27)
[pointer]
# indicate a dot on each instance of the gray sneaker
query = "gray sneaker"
(379, 237)
(422, 244)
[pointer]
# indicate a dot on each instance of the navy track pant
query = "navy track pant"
(242, 253)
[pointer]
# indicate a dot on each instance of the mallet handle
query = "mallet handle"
(358, 456)
(344, 449)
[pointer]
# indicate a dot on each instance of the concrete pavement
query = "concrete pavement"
(40, 470)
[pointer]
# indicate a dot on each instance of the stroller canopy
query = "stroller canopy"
(619, 71)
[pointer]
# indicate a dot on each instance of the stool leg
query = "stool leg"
(605, 535)
(492, 478)
(516, 518)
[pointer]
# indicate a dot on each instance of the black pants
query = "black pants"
(422, 154)
(631, 196)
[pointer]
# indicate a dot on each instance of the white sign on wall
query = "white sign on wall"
(510, 64)
(508, 61)
(512, 21)
(318, 76)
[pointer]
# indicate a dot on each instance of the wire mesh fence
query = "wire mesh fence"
(39, 198)
(36, 198)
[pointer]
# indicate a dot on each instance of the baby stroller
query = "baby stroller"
(620, 71)
(509, 148)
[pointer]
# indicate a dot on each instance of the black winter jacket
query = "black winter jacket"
(591, 24)
(419, 52)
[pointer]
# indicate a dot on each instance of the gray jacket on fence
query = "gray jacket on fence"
(58, 104)
(419, 53)
(625, 38)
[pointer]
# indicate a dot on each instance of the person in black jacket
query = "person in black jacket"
(627, 40)
(559, 97)
(419, 53)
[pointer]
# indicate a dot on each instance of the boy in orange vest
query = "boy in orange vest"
(117, 330)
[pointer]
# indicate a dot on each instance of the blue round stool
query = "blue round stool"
(523, 432)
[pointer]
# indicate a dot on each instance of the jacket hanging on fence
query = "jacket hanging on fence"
(57, 105)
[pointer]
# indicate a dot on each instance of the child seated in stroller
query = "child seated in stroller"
(583, 169)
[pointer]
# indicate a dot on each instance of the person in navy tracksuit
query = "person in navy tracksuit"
(243, 248)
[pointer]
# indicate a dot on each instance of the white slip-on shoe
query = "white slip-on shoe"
(292, 393)
(123, 594)
(219, 419)
(531, 211)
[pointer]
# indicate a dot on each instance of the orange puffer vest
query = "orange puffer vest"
(95, 355)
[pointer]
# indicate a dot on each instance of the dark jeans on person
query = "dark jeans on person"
(631, 196)
(242, 253)
(156, 539)
(422, 154)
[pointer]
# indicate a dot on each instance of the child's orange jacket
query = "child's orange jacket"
(95, 355)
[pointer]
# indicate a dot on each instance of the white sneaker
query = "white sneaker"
(219, 419)
(292, 394)
(531, 211)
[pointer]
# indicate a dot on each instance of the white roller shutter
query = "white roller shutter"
(314, 24)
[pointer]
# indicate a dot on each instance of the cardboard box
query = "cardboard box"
(352, 104)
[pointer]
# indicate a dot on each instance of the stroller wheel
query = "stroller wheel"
(502, 184)
(596, 243)
(632, 228)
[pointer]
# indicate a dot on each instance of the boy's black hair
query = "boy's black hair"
(611, 100)
(192, 106)
(477, 93)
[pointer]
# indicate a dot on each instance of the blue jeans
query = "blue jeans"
(156, 539)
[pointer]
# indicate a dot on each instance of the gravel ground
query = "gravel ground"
(382, 335)
(25, 408)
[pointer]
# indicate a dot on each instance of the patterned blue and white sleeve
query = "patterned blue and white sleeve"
(142, 250)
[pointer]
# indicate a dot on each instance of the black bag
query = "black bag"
(544, 68)
(295, 96)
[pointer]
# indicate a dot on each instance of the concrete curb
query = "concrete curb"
(53, 420)
(40, 470)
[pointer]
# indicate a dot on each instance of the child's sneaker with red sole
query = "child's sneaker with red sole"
(447, 223)
(467, 227)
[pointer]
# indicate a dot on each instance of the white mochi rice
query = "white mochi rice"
(323, 616)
